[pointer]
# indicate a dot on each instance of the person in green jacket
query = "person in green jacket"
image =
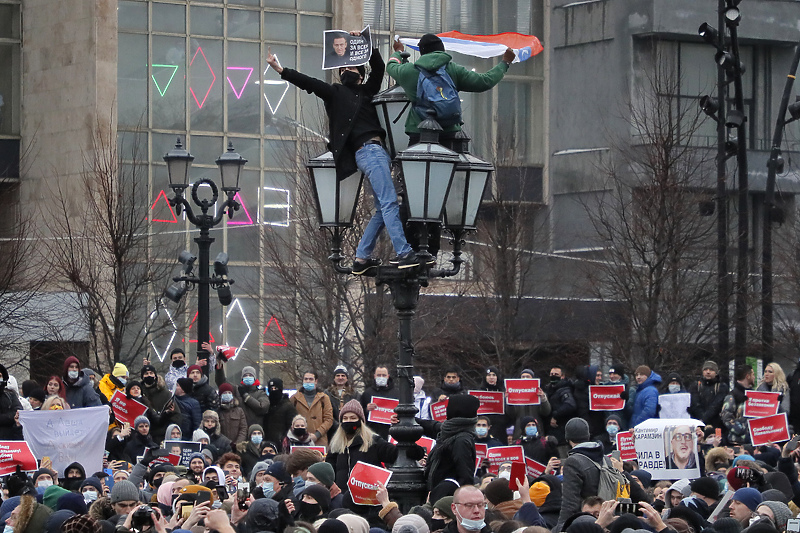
(432, 57)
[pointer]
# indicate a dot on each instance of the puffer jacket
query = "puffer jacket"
(646, 402)
(79, 393)
(205, 395)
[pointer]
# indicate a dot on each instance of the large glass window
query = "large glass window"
(10, 73)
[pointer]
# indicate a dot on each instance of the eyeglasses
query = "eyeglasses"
(471, 506)
(687, 437)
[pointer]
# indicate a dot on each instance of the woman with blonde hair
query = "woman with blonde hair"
(297, 435)
(55, 402)
(774, 380)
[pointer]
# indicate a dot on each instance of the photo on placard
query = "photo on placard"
(680, 447)
(340, 49)
(183, 448)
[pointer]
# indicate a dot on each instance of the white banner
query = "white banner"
(667, 447)
(67, 436)
(674, 405)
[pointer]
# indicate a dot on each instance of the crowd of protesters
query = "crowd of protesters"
(278, 463)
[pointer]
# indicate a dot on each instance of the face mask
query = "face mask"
(482, 431)
(555, 379)
(350, 78)
(45, 483)
(471, 525)
(310, 510)
(612, 429)
(217, 504)
(178, 363)
(309, 483)
(73, 374)
(381, 382)
(437, 524)
(8, 529)
(275, 396)
(248, 380)
(123, 381)
(673, 388)
(227, 397)
(351, 427)
(505, 474)
(157, 482)
(299, 432)
(268, 488)
(90, 495)
(308, 387)
(531, 431)
(149, 380)
(256, 439)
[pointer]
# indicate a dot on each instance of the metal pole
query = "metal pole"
(767, 321)
(203, 287)
(723, 276)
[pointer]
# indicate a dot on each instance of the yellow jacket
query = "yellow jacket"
(107, 387)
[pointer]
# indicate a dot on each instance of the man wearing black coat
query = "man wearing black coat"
(562, 403)
(202, 391)
(9, 405)
(708, 395)
(278, 419)
(383, 387)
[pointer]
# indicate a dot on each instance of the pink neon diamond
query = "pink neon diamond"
(200, 51)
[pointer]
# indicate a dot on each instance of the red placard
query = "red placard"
(426, 442)
(504, 454)
(228, 351)
(626, 446)
(384, 411)
(606, 397)
(768, 429)
(320, 449)
(439, 411)
(481, 450)
(126, 410)
(518, 471)
(491, 402)
(522, 391)
(13, 453)
(171, 459)
(760, 403)
(534, 468)
(363, 482)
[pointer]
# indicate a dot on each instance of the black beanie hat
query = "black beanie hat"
(498, 491)
(705, 486)
(430, 43)
(276, 383)
(148, 368)
(462, 406)
(186, 385)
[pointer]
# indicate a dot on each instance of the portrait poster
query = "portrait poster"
(667, 447)
(674, 405)
(183, 448)
(340, 49)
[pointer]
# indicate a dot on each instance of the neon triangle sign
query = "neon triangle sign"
(162, 194)
(280, 332)
(249, 73)
(249, 222)
(166, 86)
(211, 335)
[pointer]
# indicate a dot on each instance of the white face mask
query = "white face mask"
(505, 474)
(90, 495)
(471, 525)
(73, 374)
(45, 483)
(381, 382)
(674, 388)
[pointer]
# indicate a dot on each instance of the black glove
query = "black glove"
(623, 395)
(19, 484)
(243, 389)
(416, 453)
(148, 457)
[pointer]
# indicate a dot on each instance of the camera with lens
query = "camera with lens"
(142, 517)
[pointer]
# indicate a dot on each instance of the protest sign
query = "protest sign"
(625, 445)
(439, 411)
(667, 447)
(768, 429)
(384, 411)
(344, 50)
(126, 410)
(67, 436)
(13, 453)
(363, 482)
(426, 442)
(228, 352)
(320, 449)
(534, 468)
(481, 450)
(183, 448)
(518, 472)
(674, 405)
(606, 397)
(522, 391)
(760, 403)
(491, 402)
(504, 454)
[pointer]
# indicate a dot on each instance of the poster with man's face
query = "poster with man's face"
(344, 50)
(667, 447)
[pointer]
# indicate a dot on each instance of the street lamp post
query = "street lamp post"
(440, 184)
(230, 165)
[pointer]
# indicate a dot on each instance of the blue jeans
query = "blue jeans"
(374, 162)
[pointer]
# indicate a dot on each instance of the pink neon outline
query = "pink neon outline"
(200, 49)
(246, 212)
(174, 218)
(239, 94)
(210, 335)
(280, 330)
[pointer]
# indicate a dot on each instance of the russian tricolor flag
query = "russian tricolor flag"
(525, 46)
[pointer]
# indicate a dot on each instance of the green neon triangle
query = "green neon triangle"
(174, 70)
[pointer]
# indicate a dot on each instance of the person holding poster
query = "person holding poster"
(732, 413)
(497, 423)
(383, 387)
(680, 447)
(774, 380)
(674, 400)
(586, 376)
(540, 412)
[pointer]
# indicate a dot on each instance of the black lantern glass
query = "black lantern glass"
(336, 199)
(178, 162)
(392, 106)
(466, 192)
(230, 168)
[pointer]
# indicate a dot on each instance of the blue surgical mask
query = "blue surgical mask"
(123, 381)
(482, 431)
(90, 495)
(248, 380)
(673, 388)
(256, 439)
(268, 488)
(612, 429)
(8, 529)
(309, 386)
(531, 431)
(381, 382)
(471, 525)
(227, 397)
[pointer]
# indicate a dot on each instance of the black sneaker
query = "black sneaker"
(408, 260)
(361, 267)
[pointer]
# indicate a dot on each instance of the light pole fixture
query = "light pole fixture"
(230, 166)
(427, 171)
(392, 106)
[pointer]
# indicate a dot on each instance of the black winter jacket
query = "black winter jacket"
(278, 419)
(563, 407)
(9, 405)
(379, 452)
(708, 396)
(383, 392)
(205, 395)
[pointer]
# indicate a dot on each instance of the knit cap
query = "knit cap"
(225, 387)
(120, 371)
(278, 471)
(124, 491)
(52, 494)
(141, 419)
(92, 482)
(727, 525)
(341, 369)
(248, 370)
(527, 371)
(186, 385)
(353, 406)
(538, 492)
(498, 491)
(617, 368)
(260, 466)
(332, 525)
(577, 430)
(200, 434)
(711, 365)
(147, 368)
(321, 494)
(705, 486)
(72, 501)
(748, 496)
(444, 506)
(194, 367)
(781, 512)
(462, 406)
(252, 428)
(323, 472)
(643, 370)
(430, 43)
(415, 522)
